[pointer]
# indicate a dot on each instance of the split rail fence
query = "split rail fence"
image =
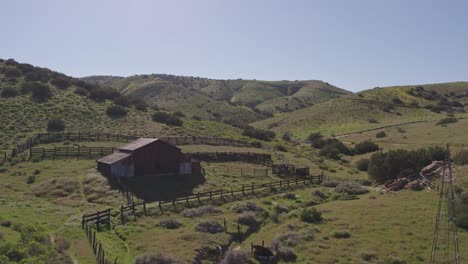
(128, 211)
(98, 218)
(107, 137)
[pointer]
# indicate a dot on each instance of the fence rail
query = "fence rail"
(98, 250)
(106, 137)
(70, 152)
(234, 156)
(130, 210)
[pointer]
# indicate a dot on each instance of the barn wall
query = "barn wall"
(157, 158)
(123, 168)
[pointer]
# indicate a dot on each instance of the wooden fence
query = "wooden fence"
(131, 210)
(70, 152)
(98, 250)
(234, 156)
(239, 171)
(106, 137)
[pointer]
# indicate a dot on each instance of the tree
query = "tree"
(365, 147)
(116, 111)
(61, 82)
(9, 92)
(55, 125)
(40, 91)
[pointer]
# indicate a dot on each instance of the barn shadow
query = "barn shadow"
(162, 188)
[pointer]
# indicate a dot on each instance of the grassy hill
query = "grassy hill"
(244, 101)
(373, 108)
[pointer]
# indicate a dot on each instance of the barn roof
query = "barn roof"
(141, 142)
(114, 157)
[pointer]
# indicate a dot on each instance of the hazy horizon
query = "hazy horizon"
(353, 45)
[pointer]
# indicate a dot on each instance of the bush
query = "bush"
(9, 92)
(202, 210)
(388, 165)
(12, 73)
(248, 219)
(461, 205)
(174, 121)
(139, 104)
(281, 148)
(61, 244)
(154, 258)
(100, 94)
(368, 256)
(235, 257)
(40, 91)
(261, 134)
(170, 223)
(55, 125)
(116, 111)
(461, 157)
(365, 147)
(311, 215)
(350, 188)
(340, 234)
(447, 120)
(5, 223)
(248, 206)
(290, 239)
(381, 134)
(394, 260)
(331, 184)
(362, 164)
(372, 120)
(81, 91)
(286, 254)
(61, 82)
(161, 116)
(286, 136)
(122, 100)
(211, 227)
(330, 151)
(31, 179)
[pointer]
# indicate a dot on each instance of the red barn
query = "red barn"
(147, 157)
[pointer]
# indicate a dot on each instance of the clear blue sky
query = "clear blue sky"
(355, 44)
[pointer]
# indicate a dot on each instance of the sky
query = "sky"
(353, 44)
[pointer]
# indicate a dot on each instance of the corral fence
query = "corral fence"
(70, 152)
(239, 171)
(42, 138)
(234, 156)
(100, 217)
(131, 210)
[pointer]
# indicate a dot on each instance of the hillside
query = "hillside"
(374, 108)
(241, 101)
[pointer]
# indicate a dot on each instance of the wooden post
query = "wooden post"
(225, 226)
(187, 201)
(122, 215)
(98, 219)
(211, 198)
(108, 219)
(133, 209)
(243, 189)
(253, 188)
(173, 204)
(232, 192)
(198, 198)
(160, 207)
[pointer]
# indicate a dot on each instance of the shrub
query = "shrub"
(116, 111)
(290, 196)
(340, 234)
(461, 157)
(202, 210)
(248, 219)
(61, 82)
(196, 118)
(362, 164)
(100, 94)
(61, 244)
(40, 91)
(211, 227)
(394, 260)
(290, 239)
(31, 179)
(139, 104)
(170, 223)
(331, 184)
(386, 166)
(286, 254)
(381, 134)
(311, 215)
(281, 148)
(174, 121)
(248, 206)
(330, 151)
(368, 256)
(286, 136)
(12, 73)
(5, 223)
(261, 134)
(9, 92)
(81, 91)
(122, 100)
(350, 188)
(161, 116)
(447, 120)
(154, 258)
(55, 125)
(235, 257)
(373, 120)
(365, 147)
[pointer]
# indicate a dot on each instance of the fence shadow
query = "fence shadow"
(151, 189)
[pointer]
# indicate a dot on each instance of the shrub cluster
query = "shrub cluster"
(365, 147)
(154, 258)
(170, 223)
(55, 125)
(461, 157)
(261, 134)
(311, 215)
(381, 134)
(202, 210)
(167, 118)
(461, 205)
(235, 257)
(211, 227)
(340, 234)
(350, 188)
(116, 111)
(9, 92)
(447, 120)
(384, 166)
(248, 219)
(248, 206)
(362, 164)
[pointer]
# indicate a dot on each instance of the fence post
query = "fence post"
(253, 188)
(98, 219)
(225, 226)
(122, 215)
(198, 198)
(160, 207)
(243, 189)
(144, 206)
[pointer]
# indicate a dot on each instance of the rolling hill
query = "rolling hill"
(373, 108)
(241, 101)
